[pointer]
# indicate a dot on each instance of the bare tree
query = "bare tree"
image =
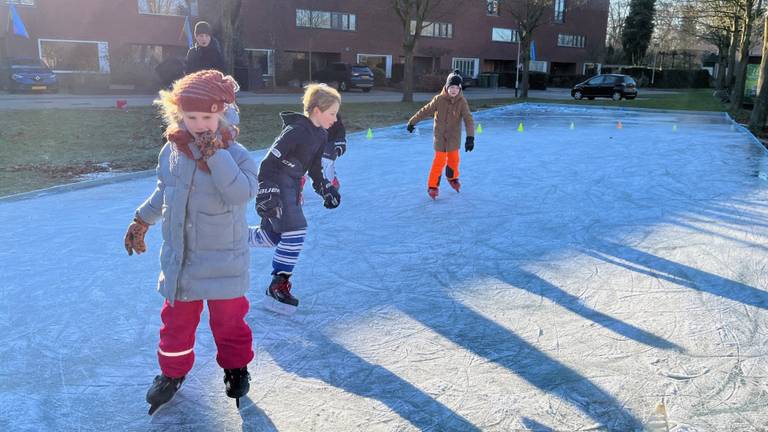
(415, 16)
(752, 9)
(760, 110)
(230, 26)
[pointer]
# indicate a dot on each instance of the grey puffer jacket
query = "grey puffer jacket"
(205, 235)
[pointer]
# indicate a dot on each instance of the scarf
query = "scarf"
(182, 138)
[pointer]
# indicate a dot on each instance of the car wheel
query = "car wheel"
(577, 95)
(343, 86)
(616, 96)
(367, 89)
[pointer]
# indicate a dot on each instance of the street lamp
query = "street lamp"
(655, 54)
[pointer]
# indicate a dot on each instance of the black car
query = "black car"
(347, 76)
(30, 74)
(613, 86)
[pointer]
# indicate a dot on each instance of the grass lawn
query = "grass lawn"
(683, 99)
(51, 147)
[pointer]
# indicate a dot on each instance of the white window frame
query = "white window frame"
(538, 66)
(307, 18)
(571, 40)
(102, 48)
(559, 12)
(492, 7)
(387, 62)
(460, 62)
(428, 29)
(270, 59)
(584, 66)
(499, 34)
(194, 10)
(26, 3)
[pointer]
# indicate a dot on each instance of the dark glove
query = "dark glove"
(410, 128)
(331, 197)
(208, 143)
(268, 202)
(134, 237)
(340, 147)
(469, 144)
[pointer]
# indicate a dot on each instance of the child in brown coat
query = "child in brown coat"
(448, 108)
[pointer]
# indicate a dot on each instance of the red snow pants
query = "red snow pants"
(230, 331)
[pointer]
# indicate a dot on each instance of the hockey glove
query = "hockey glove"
(340, 147)
(268, 202)
(469, 144)
(208, 143)
(410, 128)
(331, 197)
(134, 237)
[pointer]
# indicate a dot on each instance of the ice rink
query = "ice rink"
(600, 270)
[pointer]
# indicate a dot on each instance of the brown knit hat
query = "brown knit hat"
(205, 91)
(202, 27)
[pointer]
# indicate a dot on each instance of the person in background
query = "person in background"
(206, 54)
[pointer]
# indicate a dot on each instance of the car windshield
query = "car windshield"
(361, 69)
(28, 64)
(629, 80)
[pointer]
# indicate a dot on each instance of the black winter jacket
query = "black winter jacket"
(203, 58)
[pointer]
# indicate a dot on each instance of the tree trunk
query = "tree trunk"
(731, 68)
(739, 81)
(722, 64)
(525, 57)
(408, 74)
(760, 111)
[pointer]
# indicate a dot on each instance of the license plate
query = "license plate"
(39, 87)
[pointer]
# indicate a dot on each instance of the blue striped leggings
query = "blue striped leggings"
(289, 245)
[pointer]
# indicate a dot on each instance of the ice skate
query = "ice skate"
(455, 184)
(237, 383)
(278, 296)
(433, 192)
(162, 391)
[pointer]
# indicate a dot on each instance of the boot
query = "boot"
(455, 184)
(433, 192)
(278, 296)
(237, 383)
(161, 392)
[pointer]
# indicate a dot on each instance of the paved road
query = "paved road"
(56, 101)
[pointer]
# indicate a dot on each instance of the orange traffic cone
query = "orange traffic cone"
(619, 125)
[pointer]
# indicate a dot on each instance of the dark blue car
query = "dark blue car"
(30, 74)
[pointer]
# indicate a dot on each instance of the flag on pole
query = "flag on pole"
(15, 20)
(186, 28)
(533, 50)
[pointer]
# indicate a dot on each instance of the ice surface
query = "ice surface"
(582, 276)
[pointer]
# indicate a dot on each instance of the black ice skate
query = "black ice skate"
(162, 391)
(433, 192)
(278, 297)
(236, 383)
(455, 184)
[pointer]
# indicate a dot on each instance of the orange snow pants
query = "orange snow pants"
(439, 162)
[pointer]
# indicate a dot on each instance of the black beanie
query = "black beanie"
(202, 28)
(454, 78)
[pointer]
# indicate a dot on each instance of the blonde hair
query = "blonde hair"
(320, 96)
(167, 103)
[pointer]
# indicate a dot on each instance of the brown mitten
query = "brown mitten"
(134, 237)
(208, 143)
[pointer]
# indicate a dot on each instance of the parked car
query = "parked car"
(347, 76)
(30, 74)
(613, 86)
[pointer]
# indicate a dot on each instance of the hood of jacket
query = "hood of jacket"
(291, 118)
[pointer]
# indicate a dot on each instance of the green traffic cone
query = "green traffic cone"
(369, 135)
(479, 129)
(573, 126)
(520, 127)
(674, 128)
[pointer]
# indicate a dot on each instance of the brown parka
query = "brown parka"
(448, 112)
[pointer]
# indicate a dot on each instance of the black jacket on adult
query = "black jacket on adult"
(202, 58)
(296, 151)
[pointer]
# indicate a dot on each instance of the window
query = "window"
(467, 66)
(75, 56)
(493, 7)
(168, 7)
(20, 2)
(574, 41)
(537, 66)
(504, 35)
(326, 20)
(151, 55)
(434, 29)
(559, 11)
(261, 59)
